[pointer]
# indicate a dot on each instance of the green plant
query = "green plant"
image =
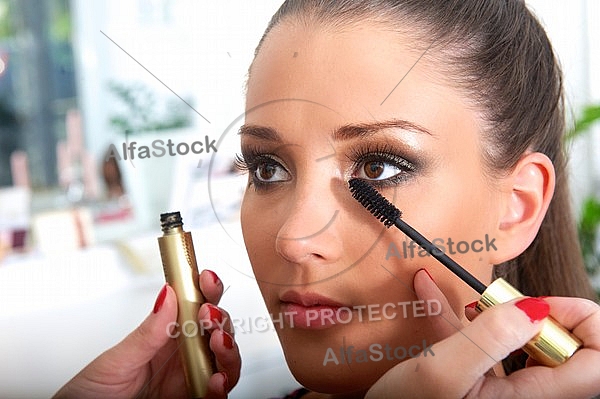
(589, 221)
(143, 114)
(590, 114)
(588, 233)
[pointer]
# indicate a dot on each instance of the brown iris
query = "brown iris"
(266, 171)
(373, 169)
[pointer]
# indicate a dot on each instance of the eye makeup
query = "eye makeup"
(265, 169)
(370, 159)
(381, 163)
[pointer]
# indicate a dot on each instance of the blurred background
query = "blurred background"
(84, 86)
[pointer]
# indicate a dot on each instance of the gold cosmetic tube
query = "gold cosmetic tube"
(552, 346)
(181, 272)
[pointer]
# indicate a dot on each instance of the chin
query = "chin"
(305, 356)
(331, 381)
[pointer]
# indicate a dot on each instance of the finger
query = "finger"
(470, 312)
(120, 365)
(471, 352)
(446, 322)
(218, 386)
(211, 286)
(211, 317)
(227, 355)
(582, 316)
(495, 333)
(578, 377)
(142, 344)
(579, 315)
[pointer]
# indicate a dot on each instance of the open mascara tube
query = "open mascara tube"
(181, 272)
(552, 346)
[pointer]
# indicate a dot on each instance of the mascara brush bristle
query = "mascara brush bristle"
(374, 202)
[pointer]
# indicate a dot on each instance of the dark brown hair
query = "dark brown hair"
(497, 52)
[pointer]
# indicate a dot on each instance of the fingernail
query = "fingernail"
(160, 299)
(471, 305)
(225, 382)
(535, 308)
(426, 271)
(215, 314)
(227, 340)
(214, 276)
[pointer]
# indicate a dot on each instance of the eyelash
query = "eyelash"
(252, 157)
(249, 161)
(386, 154)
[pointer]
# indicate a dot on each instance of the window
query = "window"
(37, 85)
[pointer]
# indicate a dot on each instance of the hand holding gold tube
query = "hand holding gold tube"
(181, 272)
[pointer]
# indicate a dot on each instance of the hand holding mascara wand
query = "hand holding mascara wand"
(551, 347)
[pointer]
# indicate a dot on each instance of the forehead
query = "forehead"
(356, 68)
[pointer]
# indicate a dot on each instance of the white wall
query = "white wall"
(574, 31)
(197, 48)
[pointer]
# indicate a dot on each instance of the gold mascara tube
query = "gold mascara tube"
(181, 272)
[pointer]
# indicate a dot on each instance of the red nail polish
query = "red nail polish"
(215, 314)
(227, 340)
(471, 305)
(214, 276)
(160, 299)
(426, 271)
(536, 309)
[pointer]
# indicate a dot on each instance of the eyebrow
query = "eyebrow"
(344, 132)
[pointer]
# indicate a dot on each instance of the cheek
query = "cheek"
(252, 233)
(259, 236)
(452, 206)
(245, 217)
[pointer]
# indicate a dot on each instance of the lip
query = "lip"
(311, 311)
(309, 299)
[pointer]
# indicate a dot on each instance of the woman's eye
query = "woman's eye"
(264, 169)
(379, 170)
(270, 171)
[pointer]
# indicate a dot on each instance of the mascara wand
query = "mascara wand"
(552, 346)
(387, 213)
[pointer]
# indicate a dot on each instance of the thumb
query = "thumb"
(142, 344)
(445, 321)
(120, 365)
(460, 361)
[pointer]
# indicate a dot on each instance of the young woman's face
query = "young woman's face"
(323, 107)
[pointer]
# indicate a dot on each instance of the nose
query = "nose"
(312, 230)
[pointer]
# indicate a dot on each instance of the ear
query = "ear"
(526, 192)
